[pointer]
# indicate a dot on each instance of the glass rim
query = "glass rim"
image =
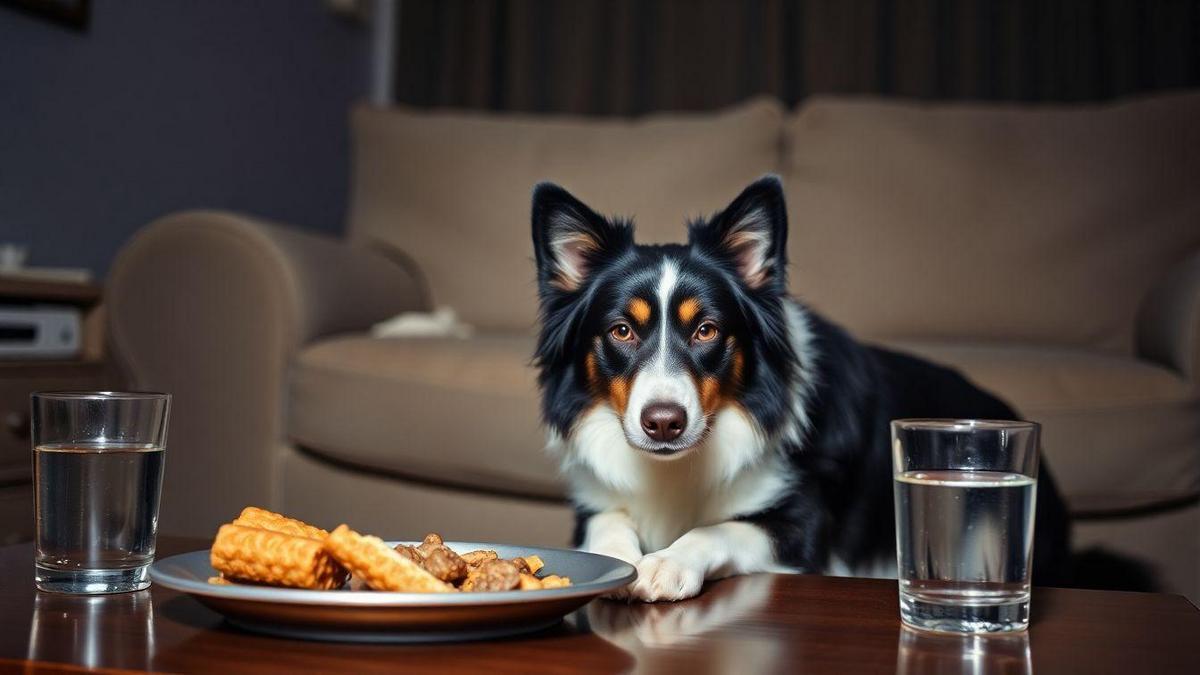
(102, 395)
(962, 424)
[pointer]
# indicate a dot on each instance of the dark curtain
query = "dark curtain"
(621, 57)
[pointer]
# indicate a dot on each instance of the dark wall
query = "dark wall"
(163, 105)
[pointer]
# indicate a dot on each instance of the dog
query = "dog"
(708, 424)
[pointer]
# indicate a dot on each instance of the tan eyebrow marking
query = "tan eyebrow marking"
(639, 309)
(688, 309)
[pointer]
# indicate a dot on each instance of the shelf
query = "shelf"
(15, 289)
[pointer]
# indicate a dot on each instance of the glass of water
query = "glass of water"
(98, 467)
(965, 498)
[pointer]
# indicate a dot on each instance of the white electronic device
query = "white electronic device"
(40, 331)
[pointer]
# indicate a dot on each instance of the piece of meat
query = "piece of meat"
(431, 543)
(445, 565)
(409, 552)
(477, 558)
(492, 576)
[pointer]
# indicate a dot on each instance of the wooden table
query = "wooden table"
(763, 623)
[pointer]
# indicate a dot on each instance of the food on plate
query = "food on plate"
(263, 547)
(266, 557)
(436, 558)
(379, 565)
(473, 558)
(263, 519)
(493, 575)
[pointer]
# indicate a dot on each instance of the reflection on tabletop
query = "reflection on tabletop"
(941, 653)
(80, 629)
(650, 632)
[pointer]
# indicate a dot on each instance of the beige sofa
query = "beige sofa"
(1052, 254)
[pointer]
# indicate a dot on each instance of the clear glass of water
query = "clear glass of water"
(965, 498)
(97, 467)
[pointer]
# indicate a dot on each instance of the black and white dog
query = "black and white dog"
(711, 425)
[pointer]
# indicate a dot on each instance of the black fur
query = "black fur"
(842, 503)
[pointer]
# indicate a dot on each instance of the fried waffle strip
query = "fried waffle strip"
(266, 557)
(383, 569)
(263, 519)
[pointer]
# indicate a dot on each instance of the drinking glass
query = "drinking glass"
(965, 498)
(97, 466)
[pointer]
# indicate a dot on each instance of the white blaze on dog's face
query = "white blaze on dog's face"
(658, 338)
(664, 414)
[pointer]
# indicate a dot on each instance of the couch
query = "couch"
(1052, 254)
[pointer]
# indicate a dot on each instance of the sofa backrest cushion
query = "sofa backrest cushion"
(452, 190)
(1039, 224)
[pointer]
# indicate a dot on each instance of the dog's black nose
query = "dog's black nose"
(664, 422)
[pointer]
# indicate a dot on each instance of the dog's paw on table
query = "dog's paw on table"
(662, 577)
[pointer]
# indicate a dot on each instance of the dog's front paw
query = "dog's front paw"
(662, 576)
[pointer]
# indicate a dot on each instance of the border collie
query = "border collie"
(709, 424)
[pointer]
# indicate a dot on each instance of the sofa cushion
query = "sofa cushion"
(1044, 224)
(452, 190)
(1118, 433)
(447, 411)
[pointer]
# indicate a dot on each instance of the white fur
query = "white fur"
(801, 338)
(674, 519)
(750, 239)
(658, 383)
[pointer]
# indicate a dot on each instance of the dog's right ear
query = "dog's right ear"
(569, 239)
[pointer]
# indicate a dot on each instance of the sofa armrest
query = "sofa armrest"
(1168, 324)
(211, 307)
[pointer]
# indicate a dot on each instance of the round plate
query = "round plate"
(378, 616)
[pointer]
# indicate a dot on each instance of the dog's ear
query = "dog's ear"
(751, 233)
(569, 239)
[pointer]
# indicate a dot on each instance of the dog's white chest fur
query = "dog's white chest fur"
(729, 474)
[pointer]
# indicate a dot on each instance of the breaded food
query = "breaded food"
(251, 554)
(253, 516)
(382, 568)
(493, 575)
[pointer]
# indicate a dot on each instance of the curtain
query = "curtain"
(626, 57)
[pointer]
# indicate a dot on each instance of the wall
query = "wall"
(171, 104)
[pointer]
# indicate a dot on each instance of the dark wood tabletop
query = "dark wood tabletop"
(762, 623)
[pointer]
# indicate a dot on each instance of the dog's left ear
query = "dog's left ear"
(569, 238)
(751, 233)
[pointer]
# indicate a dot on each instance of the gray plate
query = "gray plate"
(375, 616)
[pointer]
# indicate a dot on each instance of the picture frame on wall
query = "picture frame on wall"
(70, 13)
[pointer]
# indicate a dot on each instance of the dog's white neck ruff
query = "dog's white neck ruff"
(734, 471)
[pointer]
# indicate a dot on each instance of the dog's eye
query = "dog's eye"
(621, 332)
(706, 332)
